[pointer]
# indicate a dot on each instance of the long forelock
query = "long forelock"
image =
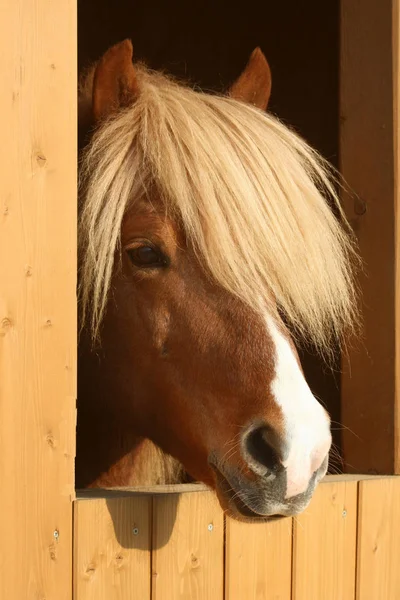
(251, 195)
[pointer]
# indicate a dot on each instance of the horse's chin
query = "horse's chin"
(240, 512)
(233, 505)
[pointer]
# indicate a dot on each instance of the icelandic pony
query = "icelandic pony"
(203, 228)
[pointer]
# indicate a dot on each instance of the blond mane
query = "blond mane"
(250, 194)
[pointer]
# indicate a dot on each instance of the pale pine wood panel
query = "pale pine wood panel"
(368, 161)
(258, 560)
(188, 547)
(378, 552)
(38, 198)
(324, 557)
(112, 549)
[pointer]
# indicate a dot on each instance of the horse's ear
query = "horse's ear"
(254, 84)
(114, 83)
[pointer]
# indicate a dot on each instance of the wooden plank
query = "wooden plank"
(258, 560)
(367, 157)
(378, 548)
(112, 549)
(324, 557)
(38, 197)
(188, 547)
(182, 488)
(123, 492)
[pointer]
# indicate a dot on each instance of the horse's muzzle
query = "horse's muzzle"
(263, 498)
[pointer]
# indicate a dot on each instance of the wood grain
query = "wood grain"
(38, 198)
(112, 549)
(258, 560)
(369, 165)
(324, 557)
(345, 545)
(378, 572)
(188, 547)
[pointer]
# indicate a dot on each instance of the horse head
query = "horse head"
(203, 224)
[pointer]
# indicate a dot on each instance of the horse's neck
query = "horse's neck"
(144, 465)
(110, 455)
(109, 451)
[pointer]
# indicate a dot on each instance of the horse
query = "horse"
(207, 247)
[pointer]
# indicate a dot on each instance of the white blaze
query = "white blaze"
(306, 423)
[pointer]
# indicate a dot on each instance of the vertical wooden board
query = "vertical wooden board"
(378, 547)
(258, 560)
(112, 549)
(38, 198)
(188, 547)
(367, 161)
(324, 557)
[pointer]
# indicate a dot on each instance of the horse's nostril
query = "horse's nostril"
(265, 450)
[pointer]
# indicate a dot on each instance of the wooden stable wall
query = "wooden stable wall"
(37, 297)
(178, 546)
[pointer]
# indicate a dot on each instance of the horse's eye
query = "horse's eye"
(146, 256)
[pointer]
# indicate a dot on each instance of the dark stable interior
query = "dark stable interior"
(208, 43)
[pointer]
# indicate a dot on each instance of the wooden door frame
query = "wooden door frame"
(369, 80)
